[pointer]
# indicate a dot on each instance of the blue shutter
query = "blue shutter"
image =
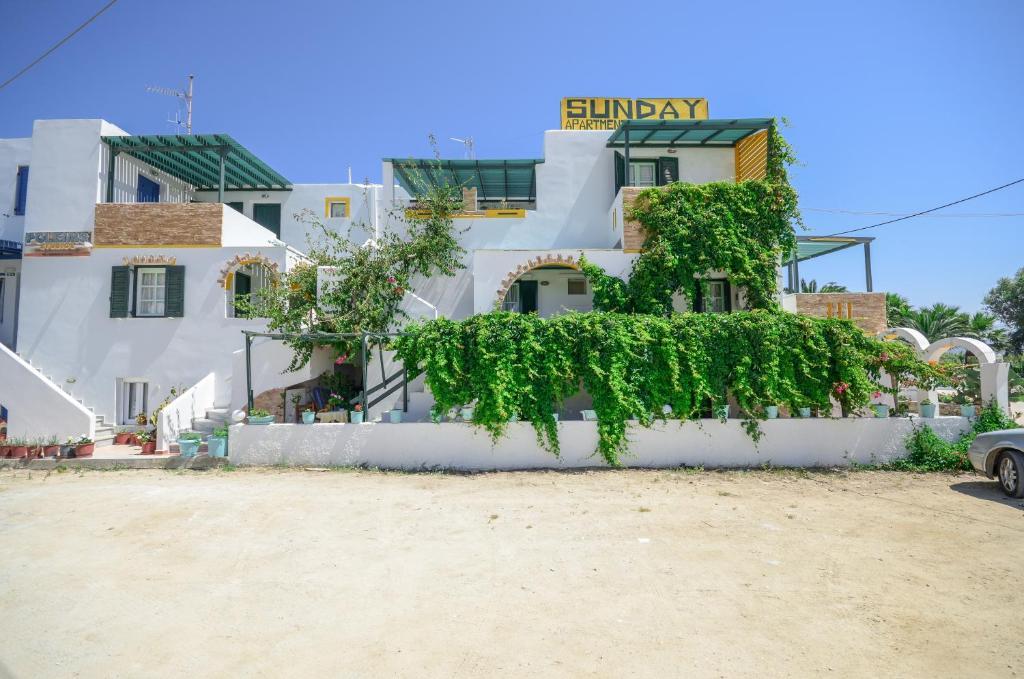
(21, 193)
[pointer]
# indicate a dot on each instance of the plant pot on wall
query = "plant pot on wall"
(356, 417)
(85, 449)
(217, 446)
(771, 412)
(881, 410)
(967, 410)
(149, 448)
(51, 450)
(122, 438)
(308, 417)
(804, 412)
(395, 416)
(927, 410)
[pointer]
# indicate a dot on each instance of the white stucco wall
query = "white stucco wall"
(37, 408)
(786, 442)
(65, 325)
(10, 274)
(13, 153)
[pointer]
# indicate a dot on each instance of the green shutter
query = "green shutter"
(620, 172)
(174, 292)
(668, 171)
(120, 287)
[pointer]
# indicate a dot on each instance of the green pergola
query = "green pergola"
(514, 179)
(208, 162)
(809, 247)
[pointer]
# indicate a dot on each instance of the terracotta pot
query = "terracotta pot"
(18, 452)
(5, 451)
(133, 440)
(85, 450)
(149, 448)
(122, 438)
(51, 451)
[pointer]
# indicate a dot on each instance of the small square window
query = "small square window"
(577, 286)
(336, 207)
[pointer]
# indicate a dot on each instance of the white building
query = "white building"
(121, 255)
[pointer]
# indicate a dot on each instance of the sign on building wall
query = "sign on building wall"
(605, 113)
(57, 243)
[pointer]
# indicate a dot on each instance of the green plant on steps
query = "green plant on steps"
(190, 436)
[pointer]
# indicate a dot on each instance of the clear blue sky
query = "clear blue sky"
(894, 106)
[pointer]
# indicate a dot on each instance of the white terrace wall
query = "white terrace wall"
(37, 406)
(13, 153)
(711, 443)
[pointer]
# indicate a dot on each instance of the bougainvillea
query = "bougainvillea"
(632, 366)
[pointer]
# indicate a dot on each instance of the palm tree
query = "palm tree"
(812, 286)
(983, 326)
(897, 309)
(938, 321)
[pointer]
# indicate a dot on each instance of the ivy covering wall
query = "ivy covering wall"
(521, 366)
(742, 229)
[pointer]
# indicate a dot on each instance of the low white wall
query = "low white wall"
(786, 442)
(36, 406)
(177, 416)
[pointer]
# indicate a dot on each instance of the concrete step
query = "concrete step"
(206, 426)
(221, 415)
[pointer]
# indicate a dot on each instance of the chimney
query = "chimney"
(469, 199)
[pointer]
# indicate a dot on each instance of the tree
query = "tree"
(812, 286)
(1006, 301)
(897, 309)
(938, 321)
(983, 326)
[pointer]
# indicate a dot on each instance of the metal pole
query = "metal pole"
(796, 274)
(362, 360)
(220, 186)
(405, 390)
(248, 369)
(625, 160)
(110, 175)
(867, 265)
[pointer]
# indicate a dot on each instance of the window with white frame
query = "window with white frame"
(150, 284)
(717, 299)
(511, 302)
(642, 173)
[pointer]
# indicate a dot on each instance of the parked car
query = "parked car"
(1000, 455)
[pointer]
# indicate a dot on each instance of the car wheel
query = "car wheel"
(1010, 471)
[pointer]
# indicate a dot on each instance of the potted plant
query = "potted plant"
(927, 408)
(188, 443)
(141, 419)
(395, 415)
(19, 448)
(5, 447)
(771, 412)
(466, 413)
(122, 437)
(260, 416)
(145, 440)
(357, 414)
(881, 409)
(308, 416)
(721, 412)
(968, 410)
(51, 448)
(335, 402)
(84, 447)
(217, 444)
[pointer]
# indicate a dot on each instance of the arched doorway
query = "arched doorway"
(546, 285)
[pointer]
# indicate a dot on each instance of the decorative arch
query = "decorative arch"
(227, 272)
(534, 263)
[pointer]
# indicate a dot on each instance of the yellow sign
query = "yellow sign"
(603, 113)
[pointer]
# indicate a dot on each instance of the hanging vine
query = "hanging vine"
(519, 365)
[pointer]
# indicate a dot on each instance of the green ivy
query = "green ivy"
(742, 229)
(519, 365)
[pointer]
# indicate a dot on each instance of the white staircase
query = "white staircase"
(215, 418)
(38, 404)
(104, 435)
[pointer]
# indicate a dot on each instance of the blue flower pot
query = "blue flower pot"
(395, 416)
(188, 447)
(881, 410)
(467, 414)
(356, 417)
(968, 411)
(269, 419)
(771, 412)
(217, 446)
(928, 410)
(804, 412)
(308, 417)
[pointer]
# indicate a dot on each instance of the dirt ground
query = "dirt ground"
(273, 573)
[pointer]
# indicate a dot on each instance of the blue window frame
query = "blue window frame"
(21, 192)
(148, 191)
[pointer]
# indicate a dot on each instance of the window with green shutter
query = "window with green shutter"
(174, 295)
(120, 291)
(668, 170)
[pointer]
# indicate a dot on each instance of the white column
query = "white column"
(995, 384)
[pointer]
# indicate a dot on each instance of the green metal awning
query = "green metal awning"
(493, 179)
(667, 133)
(809, 247)
(196, 160)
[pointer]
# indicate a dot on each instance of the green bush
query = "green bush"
(930, 453)
(633, 365)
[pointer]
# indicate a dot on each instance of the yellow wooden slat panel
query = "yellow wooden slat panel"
(752, 157)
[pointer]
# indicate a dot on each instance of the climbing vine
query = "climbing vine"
(741, 229)
(519, 365)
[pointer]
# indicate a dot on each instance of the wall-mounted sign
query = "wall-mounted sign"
(605, 113)
(57, 243)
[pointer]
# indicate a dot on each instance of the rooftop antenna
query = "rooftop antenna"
(186, 96)
(468, 143)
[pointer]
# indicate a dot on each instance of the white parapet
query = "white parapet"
(711, 443)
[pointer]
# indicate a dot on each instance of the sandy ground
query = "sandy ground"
(271, 573)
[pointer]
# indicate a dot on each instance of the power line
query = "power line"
(873, 213)
(55, 47)
(924, 212)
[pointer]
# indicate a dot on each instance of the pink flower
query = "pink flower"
(341, 359)
(877, 394)
(840, 387)
(391, 279)
(884, 356)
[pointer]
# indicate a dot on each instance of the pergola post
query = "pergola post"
(796, 274)
(110, 174)
(220, 186)
(625, 154)
(248, 369)
(867, 265)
